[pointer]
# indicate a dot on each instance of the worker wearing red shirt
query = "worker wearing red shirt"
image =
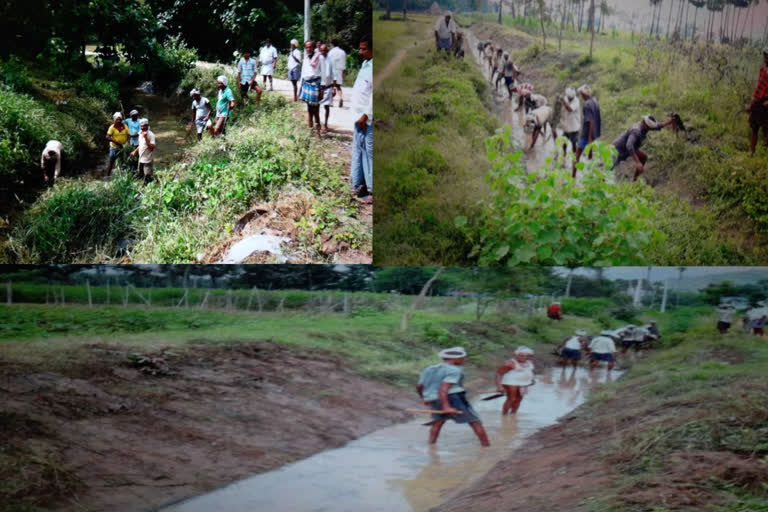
(758, 109)
(555, 311)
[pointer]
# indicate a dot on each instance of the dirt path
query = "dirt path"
(389, 68)
(129, 441)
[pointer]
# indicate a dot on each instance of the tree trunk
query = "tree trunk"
(664, 298)
(419, 300)
(389, 10)
(542, 12)
(568, 284)
(592, 25)
(501, 4)
(204, 302)
(347, 305)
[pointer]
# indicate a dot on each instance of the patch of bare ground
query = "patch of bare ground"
(98, 433)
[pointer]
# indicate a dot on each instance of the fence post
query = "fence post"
(280, 307)
(88, 289)
(108, 292)
(9, 292)
(347, 308)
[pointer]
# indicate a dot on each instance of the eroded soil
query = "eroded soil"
(93, 433)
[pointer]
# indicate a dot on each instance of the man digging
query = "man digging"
(441, 388)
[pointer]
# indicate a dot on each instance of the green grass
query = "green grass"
(371, 343)
(431, 156)
(704, 395)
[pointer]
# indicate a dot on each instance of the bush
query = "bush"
(586, 307)
(547, 218)
(99, 88)
(204, 79)
(172, 63)
(76, 218)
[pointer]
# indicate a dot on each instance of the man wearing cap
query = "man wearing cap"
(758, 109)
(294, 67)
(570, 349)
(133, 127)
(628, 143)
(441, 388)
(246, 76)
(117, 135)
(268, 60)
(224, 104)
(201, 113)
(591, 123)
(725, 317)
(445, 33)
(570, 121)
(145, 151)
(514, 378)
(602, 348)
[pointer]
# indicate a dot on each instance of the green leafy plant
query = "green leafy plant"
(548, 218)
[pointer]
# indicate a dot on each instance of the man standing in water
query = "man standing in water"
(514, 378)
(268, 60)
(441, 388)
(201, 113)
(117, 135)
(445, 33)
(225, 102)
(361, 169)
(133, 127)
(571, 119)
(602, 348)
(145, 151)
(246, 76)
(758, 109)
(591, 123)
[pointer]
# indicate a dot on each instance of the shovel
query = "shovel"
(429, 411)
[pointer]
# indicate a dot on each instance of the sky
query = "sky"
(641, 10)
(672, 273)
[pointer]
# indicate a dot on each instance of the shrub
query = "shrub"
(173, 61)
(586, 307)
(76, 218)
(547, 218)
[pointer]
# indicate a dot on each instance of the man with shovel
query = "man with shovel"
(440, 386)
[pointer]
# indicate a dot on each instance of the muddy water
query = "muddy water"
(393, 469)
(535, 158)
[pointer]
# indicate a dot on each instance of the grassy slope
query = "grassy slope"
(706, 189)
(430, 149)
(195, 203)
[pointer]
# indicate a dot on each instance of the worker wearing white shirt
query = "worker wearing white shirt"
(571, 118)
(361, 170)
(326, 84)
(294, 67)
(268, 60)
(339, 58)
(602, 348)
(445, 33)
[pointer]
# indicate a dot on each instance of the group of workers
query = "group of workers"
(321, 71)
(441, 387)
(753, 321)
